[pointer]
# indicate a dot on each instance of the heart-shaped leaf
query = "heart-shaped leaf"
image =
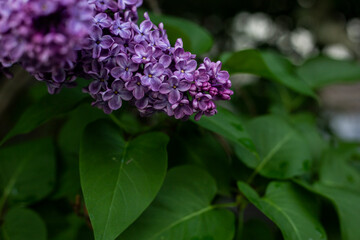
(182, 210)
(119, 178)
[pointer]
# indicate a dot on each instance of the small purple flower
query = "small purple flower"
(135, 86)
(142, 32)
(116, 94)
(185, 69)
(202, 101)
(108, 56)
(101, 76)
(96, 42)
(221, 76)
(121, 28)
(173, 86)
(182, 109)
(142, 54)
(152, 75)
(102, 20)
(125, 68)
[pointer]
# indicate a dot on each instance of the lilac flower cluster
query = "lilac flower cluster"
(137, 63)
(125, 61)
(43, 36)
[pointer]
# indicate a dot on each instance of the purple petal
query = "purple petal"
(165, 60)
(117, 85)
(146, 81)
(145, 26)
(190, 66)
(140, 50)
(109, 94)
(95, 33)
(173, 81)
(174, 96)
(139, 92)
(59, 76)
(95, 87)
(142, 103)
(115, 102)
(222, 77)
(155, 84)
(106, 42)
(96, 51)
(133, 67)
(116, 72)
(165, 88)
(126, 75)
(126, 95)
(121, 61)
(157, 69)
(184, 86)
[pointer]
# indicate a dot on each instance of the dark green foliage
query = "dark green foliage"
(106, 177)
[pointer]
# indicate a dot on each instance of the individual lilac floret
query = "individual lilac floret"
(152, 74)
(142, 54)
(174, 88)
(125, 68)
(121, 28)
(185, 69)
(116, 94)
(102, 20)
(136, 88)
(182, 109)
(97, 41)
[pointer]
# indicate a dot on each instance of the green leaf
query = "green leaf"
(27, 171)
(290, 208)
(49, 107)
(196, 39)
(321, 71)
(71, 133)
(346, 202)
(195, 151)
(23, 224)
(340, 184)
(282, 151)
(182, 210)
(305, 125)
(269, 65)
(228, 125)
(69, 143)
(336, 171)
(119, 178)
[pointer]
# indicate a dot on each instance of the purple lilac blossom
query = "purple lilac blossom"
(125, 61)
(43, 37)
